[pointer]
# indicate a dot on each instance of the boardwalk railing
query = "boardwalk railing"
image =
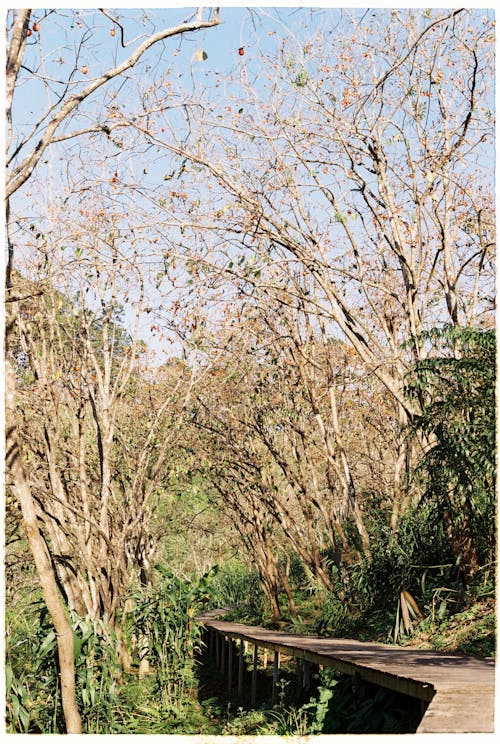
(457, 692)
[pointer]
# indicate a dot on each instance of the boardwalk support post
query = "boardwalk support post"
(217, 650)
(223, 655)
(230, 665)
(306, 674)
(253, 698)
(276, 674)
(240, 669)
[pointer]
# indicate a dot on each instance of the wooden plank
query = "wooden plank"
(460, 711)
(460, 689)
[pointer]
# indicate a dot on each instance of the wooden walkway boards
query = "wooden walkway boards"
(459, 690)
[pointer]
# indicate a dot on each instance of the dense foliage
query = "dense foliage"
(158, 626)
(458, 422)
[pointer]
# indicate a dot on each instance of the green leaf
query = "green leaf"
(9, 676)
(48, 644)
(24, 717)
(77, 646)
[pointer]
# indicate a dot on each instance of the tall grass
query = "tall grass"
(33, 702)
(160, 625)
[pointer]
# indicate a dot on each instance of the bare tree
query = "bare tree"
(284, 415)
(361, 160)
(94, 473)
(24, 154)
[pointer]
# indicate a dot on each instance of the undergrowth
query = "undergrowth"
(161, 629)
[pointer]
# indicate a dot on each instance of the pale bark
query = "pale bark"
(42, 561)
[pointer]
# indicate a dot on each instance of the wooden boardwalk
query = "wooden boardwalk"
(459, 691)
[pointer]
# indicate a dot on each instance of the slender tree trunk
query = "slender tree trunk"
(43, 563)
(401, 474)
(271, 591)
(286, 587)
(462, 542)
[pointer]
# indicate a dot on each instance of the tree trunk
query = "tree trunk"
(43, 563)
(462, 543)
(284, 582)
(401, 473)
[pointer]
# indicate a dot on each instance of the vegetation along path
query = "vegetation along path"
(459, 690)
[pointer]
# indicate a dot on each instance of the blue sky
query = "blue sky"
(250, 28)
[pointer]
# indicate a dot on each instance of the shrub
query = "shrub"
(236, 586)
(32, 673)
(456, 392)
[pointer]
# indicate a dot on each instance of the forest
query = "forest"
(250, 354)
